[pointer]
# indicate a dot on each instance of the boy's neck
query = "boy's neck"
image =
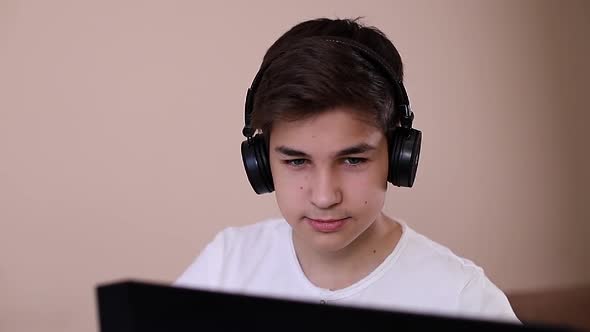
(337, 270)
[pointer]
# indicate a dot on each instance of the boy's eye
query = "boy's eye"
(295, 162)
(354, 161)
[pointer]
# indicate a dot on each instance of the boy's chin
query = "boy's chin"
(326, 243)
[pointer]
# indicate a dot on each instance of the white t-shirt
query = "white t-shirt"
(418, 276)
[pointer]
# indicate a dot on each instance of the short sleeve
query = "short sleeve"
(206, 270)
(480, 298)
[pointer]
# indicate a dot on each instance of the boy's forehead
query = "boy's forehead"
(332, 130)
(338, 118)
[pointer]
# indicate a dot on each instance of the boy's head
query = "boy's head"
(322, 64)
(305, 75)
(324, 112)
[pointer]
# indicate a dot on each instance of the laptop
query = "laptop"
(146, 306)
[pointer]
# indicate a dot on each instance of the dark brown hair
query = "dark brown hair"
(308, 75)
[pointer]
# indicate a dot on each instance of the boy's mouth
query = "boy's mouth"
(326, 225)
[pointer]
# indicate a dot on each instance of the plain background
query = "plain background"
(120, 126)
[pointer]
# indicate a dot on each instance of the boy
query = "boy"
(328, 124)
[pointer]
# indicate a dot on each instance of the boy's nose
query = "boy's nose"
(325, 190)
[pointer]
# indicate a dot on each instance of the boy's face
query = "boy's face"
(330, 177)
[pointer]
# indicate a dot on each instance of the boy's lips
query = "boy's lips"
(326, 225)
(326, 219)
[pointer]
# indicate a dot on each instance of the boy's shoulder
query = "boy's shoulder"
(424, 259)
(447, 275)
(254, 235)
(426, 248)
(423, 248)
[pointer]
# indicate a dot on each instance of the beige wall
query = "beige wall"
(120, 129)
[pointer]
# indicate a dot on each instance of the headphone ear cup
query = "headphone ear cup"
(256, 164)
(404, 156)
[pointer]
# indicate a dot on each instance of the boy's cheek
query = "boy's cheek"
(288, 180)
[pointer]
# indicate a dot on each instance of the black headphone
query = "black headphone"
(404, 142)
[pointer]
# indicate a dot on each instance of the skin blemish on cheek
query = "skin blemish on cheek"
(374, 251)
(365, 202)
(301, 188)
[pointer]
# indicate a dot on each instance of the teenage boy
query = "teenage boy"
(328, 125)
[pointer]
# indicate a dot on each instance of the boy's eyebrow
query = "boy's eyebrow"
(355, 149)
(291, 152)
